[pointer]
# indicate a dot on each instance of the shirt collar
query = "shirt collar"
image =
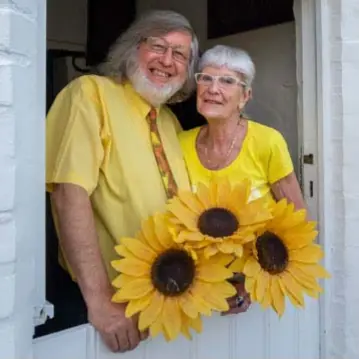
(138, 102)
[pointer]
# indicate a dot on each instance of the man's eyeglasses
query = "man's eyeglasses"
(223, 81)
(160, 46)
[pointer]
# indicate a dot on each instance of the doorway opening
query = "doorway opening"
(275, 95)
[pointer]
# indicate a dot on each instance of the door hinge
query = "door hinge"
(43, 312)
(308, 159)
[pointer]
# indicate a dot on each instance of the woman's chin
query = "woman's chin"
(215, 116)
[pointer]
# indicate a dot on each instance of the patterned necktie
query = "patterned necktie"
(168, 180)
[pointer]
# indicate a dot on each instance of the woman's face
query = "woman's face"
(221, 93)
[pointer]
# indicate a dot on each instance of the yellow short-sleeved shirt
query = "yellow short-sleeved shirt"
(264, 159)
(97, 137)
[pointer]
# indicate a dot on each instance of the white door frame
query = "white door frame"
(313, 66)
(312, 80)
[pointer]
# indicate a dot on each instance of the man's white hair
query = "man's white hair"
(234, 59)
(122, 58)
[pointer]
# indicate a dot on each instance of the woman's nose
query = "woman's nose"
(213, 87)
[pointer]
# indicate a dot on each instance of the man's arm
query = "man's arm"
(81, 247)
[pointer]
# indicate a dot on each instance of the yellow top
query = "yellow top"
(264, 159)
(98, 138)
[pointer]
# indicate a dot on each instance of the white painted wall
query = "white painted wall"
(22, 59)
(340, 178)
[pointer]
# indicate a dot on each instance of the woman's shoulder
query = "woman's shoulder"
(189, 135)
(265, 134)
(187, 140)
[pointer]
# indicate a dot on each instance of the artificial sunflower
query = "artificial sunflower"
(165, 284)
(217, 218)
(283, 260)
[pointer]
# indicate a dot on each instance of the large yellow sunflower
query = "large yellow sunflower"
(217, 218)
(283, 260)
(162, 282)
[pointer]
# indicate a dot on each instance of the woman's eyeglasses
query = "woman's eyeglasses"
(223, 81)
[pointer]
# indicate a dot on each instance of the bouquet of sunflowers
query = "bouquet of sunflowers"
(179, 266)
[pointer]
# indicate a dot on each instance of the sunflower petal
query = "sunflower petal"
(191, 201)
(171, 318)
(215, 301)
(148, 233)
(262, 285)
(139, 249)
(310, 254)
(137, 305)
(250, 286)
(302, 278)
(267, 296)
(136, 288)
(251, 268)
(278, 302)
(224, 289)
(184, 214)
(131, 266)
(185, 329)
(152, 311)
(202, 306)
(184, 236)
(210, 250)
(163, 233)
(237, 266)
(188, 305)
(203, 195)
(196, 324)
(292, 289)
(213, 272)
(228, 247)
(121, 280)
(315, 270)
(156, 328)
(223, 193)
(122, 251)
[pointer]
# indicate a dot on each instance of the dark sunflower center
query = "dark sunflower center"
(173, 272)
(272, 253)
(218, 222)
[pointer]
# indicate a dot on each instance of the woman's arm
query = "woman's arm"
(288, 187)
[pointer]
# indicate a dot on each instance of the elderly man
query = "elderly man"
(103, 172)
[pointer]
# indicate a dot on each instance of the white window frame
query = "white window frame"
(42, 308)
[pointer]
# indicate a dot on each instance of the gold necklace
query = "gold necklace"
(229, 151)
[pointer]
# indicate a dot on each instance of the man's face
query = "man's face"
(164, 60)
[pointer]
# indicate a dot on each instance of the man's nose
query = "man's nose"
(166, 58)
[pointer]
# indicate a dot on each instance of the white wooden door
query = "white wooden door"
(255, 334)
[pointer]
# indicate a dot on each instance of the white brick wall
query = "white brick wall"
(22, 38)
(342, 329)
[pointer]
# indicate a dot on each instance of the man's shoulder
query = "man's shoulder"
(91, 85)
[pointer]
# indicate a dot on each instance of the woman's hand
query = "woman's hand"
(240, 302)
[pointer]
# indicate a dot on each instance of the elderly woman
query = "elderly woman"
(230, 144)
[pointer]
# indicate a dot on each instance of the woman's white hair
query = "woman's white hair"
(122, 57)
(232, 58)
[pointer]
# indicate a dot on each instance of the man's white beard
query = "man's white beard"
(155, 94)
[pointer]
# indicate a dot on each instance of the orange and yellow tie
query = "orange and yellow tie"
(168, 180)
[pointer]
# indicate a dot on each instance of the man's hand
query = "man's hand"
(240, 302)
(118, 332)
